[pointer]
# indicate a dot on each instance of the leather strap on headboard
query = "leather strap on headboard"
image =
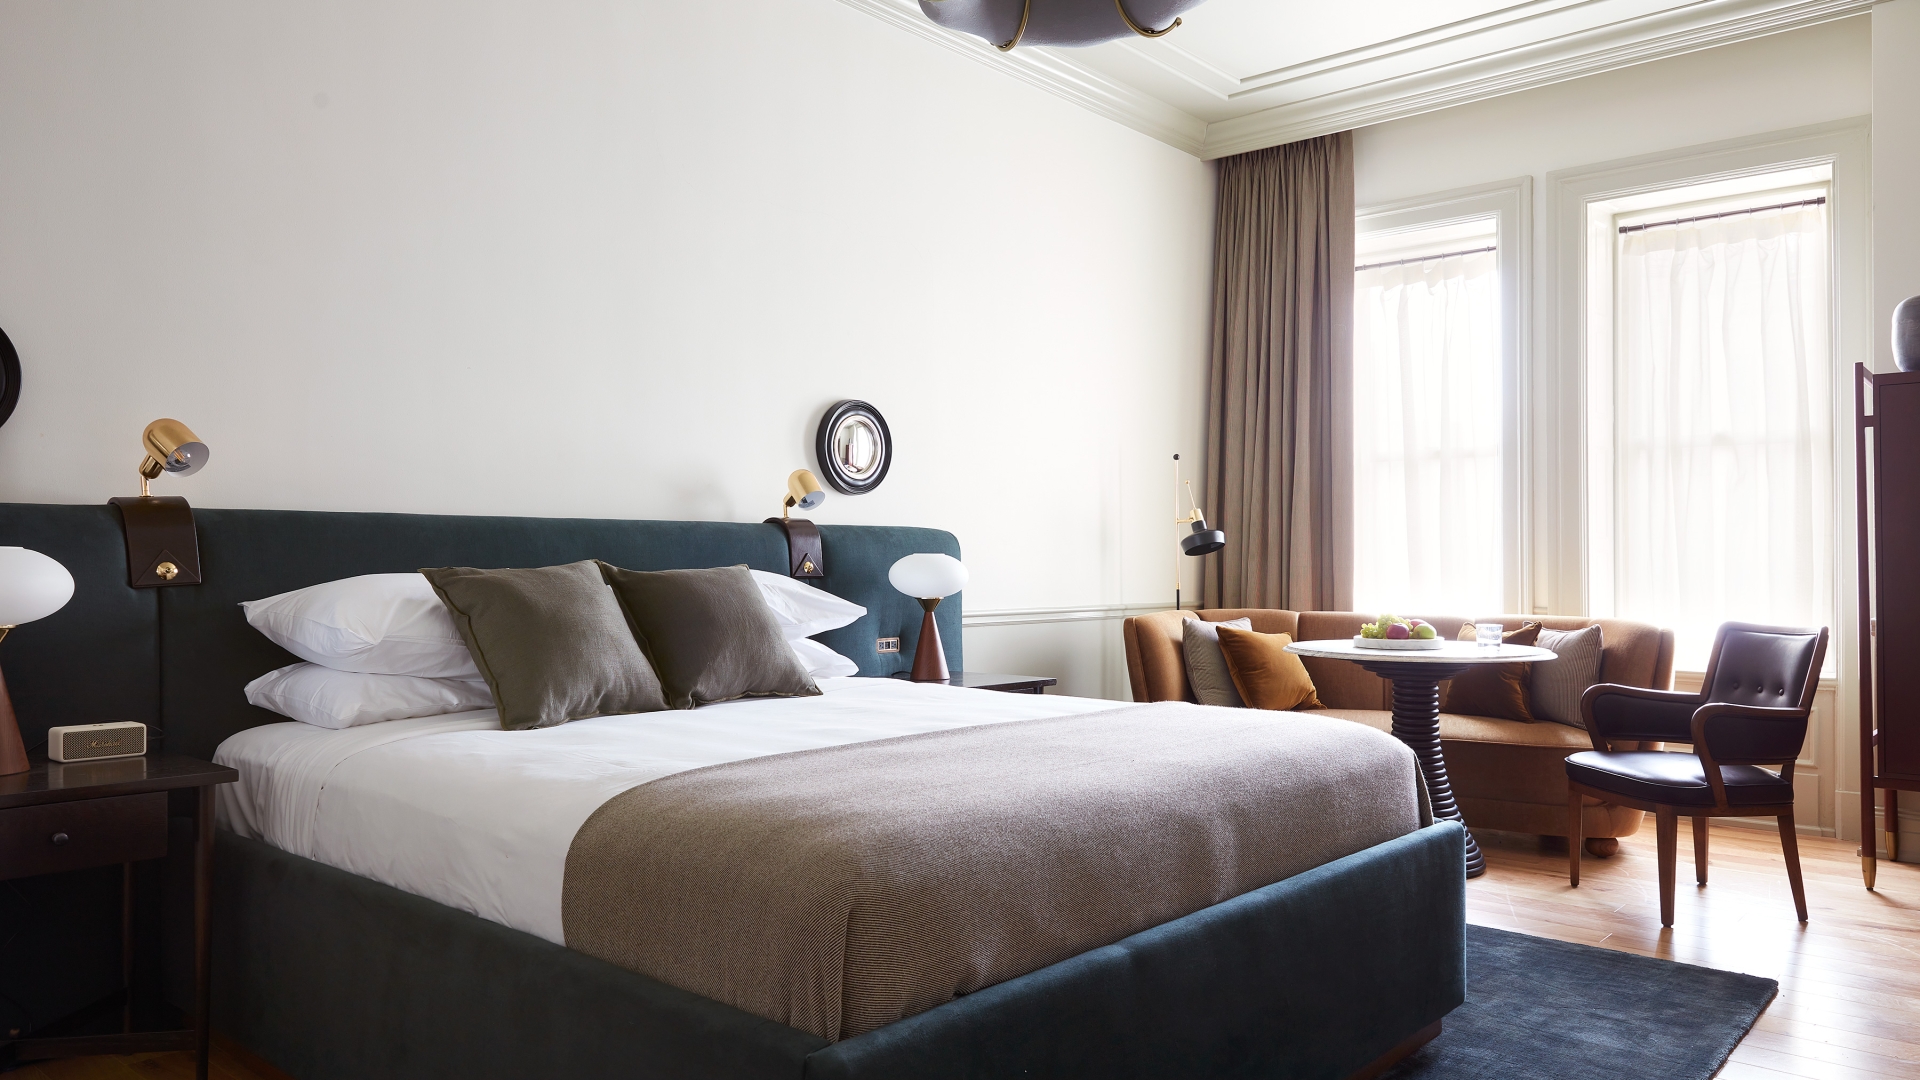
(805, 559)
(162, 547)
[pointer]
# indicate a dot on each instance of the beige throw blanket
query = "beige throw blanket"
(841, 889)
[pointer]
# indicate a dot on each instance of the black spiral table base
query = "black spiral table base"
(1416, 722)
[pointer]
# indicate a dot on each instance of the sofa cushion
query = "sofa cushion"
(1493, 689)
(1207, 673)
(1265, 673)
(1556, 688)
(1482, 729)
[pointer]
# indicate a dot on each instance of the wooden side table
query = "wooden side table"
(1416, 678)
(983, 680)
(70, 816)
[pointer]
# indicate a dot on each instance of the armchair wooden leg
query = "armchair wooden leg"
(1575, 828)
(1700, 849)
(1666, 827)
(1790, 847)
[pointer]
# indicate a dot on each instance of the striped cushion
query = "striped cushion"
(1207, 665)
(1557, 686)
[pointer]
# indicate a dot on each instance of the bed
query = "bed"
(348, 945)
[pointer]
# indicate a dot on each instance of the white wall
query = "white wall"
(605, 259)
(1767, 84)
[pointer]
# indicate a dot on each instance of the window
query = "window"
(1721, 490)
(1429, 428)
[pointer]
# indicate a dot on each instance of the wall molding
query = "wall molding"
(1605, 48)
(1471, 60)
(1030, 616)
(1048, 70)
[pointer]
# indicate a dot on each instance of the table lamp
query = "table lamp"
(32, 586)
(929, 578)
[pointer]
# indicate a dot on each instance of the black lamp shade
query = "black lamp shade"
(1203, 541)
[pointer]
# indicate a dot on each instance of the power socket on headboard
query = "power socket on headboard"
(887, 645)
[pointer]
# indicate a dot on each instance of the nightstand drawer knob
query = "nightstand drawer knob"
(59, 838)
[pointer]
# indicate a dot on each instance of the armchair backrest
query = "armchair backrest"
(1771, 667)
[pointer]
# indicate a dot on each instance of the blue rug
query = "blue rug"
(1538, 1009)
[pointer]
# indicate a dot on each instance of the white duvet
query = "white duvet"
(456, 810)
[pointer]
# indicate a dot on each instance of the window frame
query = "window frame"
(1510, 204)
(1575, 494)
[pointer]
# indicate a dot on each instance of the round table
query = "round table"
(1416, 675)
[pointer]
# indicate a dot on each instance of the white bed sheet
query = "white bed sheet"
(456, 810)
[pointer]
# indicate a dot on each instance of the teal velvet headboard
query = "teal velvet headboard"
(177, 658)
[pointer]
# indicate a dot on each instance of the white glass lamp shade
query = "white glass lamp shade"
(32, 586)
(928, 576)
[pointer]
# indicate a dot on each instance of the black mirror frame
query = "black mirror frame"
(9, 377)
(830, 469)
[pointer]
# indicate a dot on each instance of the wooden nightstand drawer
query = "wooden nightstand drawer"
(59, 836)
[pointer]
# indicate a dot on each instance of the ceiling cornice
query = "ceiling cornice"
(1468, 61)
(1050, 70)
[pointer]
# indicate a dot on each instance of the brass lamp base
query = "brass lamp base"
(929, 656)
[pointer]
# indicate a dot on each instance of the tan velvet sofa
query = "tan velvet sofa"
(1506, 774)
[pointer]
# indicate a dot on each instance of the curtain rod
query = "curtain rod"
(1424, 258)
(1821, 201)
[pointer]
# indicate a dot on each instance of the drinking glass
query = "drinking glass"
(1487, 634)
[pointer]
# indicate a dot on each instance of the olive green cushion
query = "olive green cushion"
(551, 642)
(709, 634)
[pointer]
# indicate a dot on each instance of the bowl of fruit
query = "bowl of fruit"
(1394, 632)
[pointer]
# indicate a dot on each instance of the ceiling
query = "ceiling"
(1238, 75)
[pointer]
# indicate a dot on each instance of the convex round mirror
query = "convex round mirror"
(9, 378)
(854, 447)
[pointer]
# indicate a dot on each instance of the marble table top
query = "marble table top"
(1451, 653)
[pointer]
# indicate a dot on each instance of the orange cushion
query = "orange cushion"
(1497, 690)
(1265, 673)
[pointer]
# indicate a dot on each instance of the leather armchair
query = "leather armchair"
(1751, 711)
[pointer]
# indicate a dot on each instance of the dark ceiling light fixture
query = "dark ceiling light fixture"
(1070, 23)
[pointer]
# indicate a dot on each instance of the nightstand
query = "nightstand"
(74, 815)
(1009, 684)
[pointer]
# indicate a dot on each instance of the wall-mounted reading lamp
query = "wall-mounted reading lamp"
(172, 447)
(162, 547)
(1201, 540)
(803, 491)
(805, 557)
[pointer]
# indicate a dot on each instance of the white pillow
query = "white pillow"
(327, 698)
(821, 661)
(802, 610)
(379, 624)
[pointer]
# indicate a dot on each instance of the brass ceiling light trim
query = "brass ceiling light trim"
(1134, 26)
(1026, 11)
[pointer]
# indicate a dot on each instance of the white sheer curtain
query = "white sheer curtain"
(1427, 433)
(1723, 455)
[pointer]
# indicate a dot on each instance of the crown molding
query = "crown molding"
(1047, 69)
(1607, 48)
(1472, 60)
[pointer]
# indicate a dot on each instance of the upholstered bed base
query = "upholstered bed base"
(328, 974)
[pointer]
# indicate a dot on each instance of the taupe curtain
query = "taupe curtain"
(1279, 401)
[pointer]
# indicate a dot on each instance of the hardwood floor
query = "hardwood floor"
(1849, 1004)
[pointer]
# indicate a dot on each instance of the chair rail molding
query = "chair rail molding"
(1530, 44)
(1027, 616)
